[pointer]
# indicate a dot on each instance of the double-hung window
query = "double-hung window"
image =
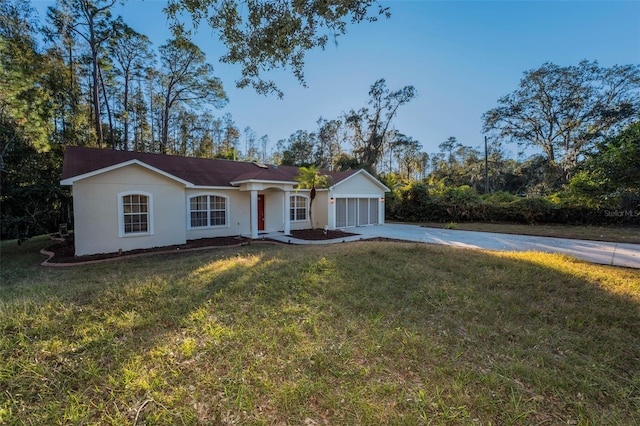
(298, 208)
(207, 211)
(135, 214)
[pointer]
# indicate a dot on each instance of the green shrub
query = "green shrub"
(411, 200)
(417, 202)
(459, 202)
(534, 209)
(501, 197)
(458, 195)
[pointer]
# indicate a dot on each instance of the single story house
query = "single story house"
(131, 200)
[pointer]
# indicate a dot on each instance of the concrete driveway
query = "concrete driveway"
(616, 254)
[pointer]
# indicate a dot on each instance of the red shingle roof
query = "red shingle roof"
(198, 171)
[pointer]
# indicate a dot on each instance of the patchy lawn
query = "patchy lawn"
(355, 333)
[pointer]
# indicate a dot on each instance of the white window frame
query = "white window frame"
(208, 225)
(306, 208)
(150, 224)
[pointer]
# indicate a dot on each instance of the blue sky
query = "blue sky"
(461, 56)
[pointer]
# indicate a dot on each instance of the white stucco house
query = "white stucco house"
(130, 200)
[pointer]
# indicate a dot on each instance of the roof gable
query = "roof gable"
(364, 173)
(71, 180)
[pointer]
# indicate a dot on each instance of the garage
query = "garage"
(357, 212)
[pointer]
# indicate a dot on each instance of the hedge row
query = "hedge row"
(462, 205)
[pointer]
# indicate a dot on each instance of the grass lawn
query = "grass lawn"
(358, 333)
(617, 234)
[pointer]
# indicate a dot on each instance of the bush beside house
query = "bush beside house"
(418, 202)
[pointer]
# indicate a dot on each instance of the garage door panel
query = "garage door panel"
(341, 212)
(352, 210)
(373, 211)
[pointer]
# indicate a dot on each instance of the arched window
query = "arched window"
(297, 208)
(135, 213)
(207, 211)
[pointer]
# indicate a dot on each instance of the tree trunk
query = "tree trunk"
(164, 142)
(95, 90)
(95, 94)
(125, 107)
(312, 196)
(106, 103)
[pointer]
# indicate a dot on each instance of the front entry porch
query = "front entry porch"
(269, 211)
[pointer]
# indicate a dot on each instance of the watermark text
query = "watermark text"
(622, 213)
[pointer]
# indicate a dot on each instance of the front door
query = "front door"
(260, 212)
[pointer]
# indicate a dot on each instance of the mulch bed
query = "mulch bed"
(320, 234)
(64, 251)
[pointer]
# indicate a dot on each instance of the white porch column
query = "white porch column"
(254, 214)
(331, 214)
(287, 214)
(381, 201)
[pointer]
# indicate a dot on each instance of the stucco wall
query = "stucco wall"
(96, 217)
(321, 209)
(273, 210)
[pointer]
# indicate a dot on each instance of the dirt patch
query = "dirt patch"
(64, 251)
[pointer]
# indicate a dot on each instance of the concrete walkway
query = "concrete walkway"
(616, 254)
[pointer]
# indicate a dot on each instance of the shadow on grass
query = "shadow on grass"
(360, 333)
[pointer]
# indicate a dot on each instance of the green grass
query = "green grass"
(617, 234)
(357, 333)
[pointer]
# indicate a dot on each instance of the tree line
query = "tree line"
(578, 123)
(83, 77)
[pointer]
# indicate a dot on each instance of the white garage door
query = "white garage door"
(356, 212)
